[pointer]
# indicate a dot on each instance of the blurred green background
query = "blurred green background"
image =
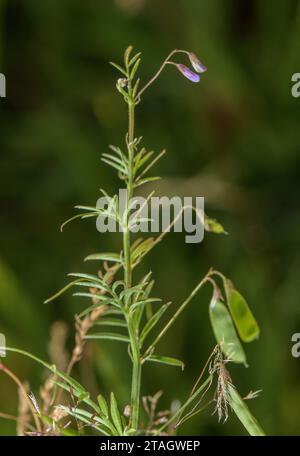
(234, 139)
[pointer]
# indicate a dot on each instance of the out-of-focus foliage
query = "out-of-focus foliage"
(234, 139)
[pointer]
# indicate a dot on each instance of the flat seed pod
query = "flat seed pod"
(242, 316)
(225, 333)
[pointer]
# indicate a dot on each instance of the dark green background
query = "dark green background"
(234, 139)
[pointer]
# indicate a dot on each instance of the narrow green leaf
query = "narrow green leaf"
(82, 396)
(116, 160)
(224, 331)
(115, 414)
(88, 208)
(137, 304)
(127, 55)
(75, 217)
(92, 296)
(145, 181)
(114, 257)
(119, 152)
(91, 284)
(152, 322)
(134, 59)
(93, 278)
(118, 67)
(66, 432)
(144, 282)
(128, 292)
(60, 292)
(142, 248)
(135, 88)
(89, 418)
(77, 387)
(142, 158)
(152, 163)
(166, 360)
(103, 405)
(96, 306)
(243, 413)
(82, 275)
(90, 215)
(117, 284)
(108, 336)
(115, 165)
(242, 316)
(134, 69)
(112, 322)
(139, 155)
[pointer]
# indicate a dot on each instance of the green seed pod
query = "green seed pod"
(242, 316)
(225, 333)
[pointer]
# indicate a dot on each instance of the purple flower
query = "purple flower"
(188, 73)
(197, 65)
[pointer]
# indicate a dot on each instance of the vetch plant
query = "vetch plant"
(116, 299)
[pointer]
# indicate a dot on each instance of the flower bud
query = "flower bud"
(197, 65)
(188, 73)
(122, 82)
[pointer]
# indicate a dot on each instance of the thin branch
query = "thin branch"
(176, 315)
(165, 62)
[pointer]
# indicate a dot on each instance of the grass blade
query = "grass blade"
(243, 413)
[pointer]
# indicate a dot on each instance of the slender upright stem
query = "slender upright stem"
(132, 327)
(126, 235)
(132, 322)
(136, 376)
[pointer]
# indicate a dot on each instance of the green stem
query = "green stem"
(132, 326)
(136, 377)
(126, 235)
